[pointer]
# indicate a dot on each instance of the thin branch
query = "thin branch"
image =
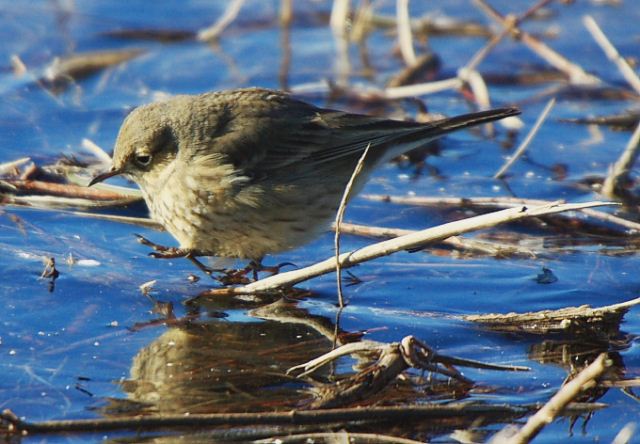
(612, 53)
(581, 321)
(626, 434)
(339, 16)
(362, 26)
(338, 23)
(455, 242)
(554, 407)
(502, 202)
(337, 437)
(527, 140)
(286, 12)
(576, 74)
(405, 38)
(96, 150)
(229, 15)
(58, 202)
(342, 415)
(420, 89)
(18, 66)
(340, 215)
(10, 167)
(482, 53)
(51, 189)
(620, 170)
(141, 221)
(480, 92)
(408, 242)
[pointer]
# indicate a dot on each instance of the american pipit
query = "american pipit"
(249, 172)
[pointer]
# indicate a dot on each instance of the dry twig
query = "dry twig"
(576, 74)
(59, 189)
(421, 89)
(500, 202)
(612, 53)
(456, 242)
(339, 16)
(408, 242)
(554, 407)
(343, 416)
(213, 32)
(582, 320)
(96, 150)
(337, 437)
(11, 167)
(339, 20)
(405, 39)
(340, 215)
(141, 221)
(527, 140)
(620, 171)
(479, 89)
(64, 70)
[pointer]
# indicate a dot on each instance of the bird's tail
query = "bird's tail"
(414, 135)
(451, 124)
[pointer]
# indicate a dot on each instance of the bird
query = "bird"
(248, 172)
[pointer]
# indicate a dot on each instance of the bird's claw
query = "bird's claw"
(228, 276)
(240, 276)
(146, 242)
(274, 269)
(170, 253)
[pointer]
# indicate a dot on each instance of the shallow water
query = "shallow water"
(74, 352)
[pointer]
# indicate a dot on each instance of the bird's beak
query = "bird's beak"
(104, 176)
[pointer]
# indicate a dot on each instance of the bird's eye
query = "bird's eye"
(143, 159)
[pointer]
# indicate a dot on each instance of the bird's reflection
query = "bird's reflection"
(214, 365)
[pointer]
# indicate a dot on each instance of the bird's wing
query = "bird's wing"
(273, 133)
(269, 140)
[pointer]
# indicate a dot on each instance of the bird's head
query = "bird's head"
(145, 147)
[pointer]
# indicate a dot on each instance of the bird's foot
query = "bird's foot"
(234, 277)
(227, 277)
(256, 267)
(163, 252)
(240, 277)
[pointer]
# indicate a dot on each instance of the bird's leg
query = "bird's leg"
(163, 252)
(235, 277)
(256, 266)
(202, 267)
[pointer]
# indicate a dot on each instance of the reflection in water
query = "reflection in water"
(220, 366)
(575, 355)
(217, 366)
(205, 365)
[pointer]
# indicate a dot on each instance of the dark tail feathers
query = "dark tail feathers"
(472, 119)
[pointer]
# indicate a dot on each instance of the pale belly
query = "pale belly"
(244, 229)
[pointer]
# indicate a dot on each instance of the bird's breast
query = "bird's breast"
(241, 219)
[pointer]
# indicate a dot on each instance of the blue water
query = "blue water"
(69, 353)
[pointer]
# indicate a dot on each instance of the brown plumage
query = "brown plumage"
(248, 172)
